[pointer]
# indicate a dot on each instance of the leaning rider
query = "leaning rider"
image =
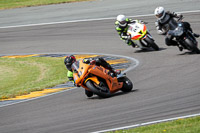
(121, 26)
(165, 22)
(69, 60)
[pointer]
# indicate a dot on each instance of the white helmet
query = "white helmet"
(122, 20)
(159, 12)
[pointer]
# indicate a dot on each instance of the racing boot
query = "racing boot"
(134, 45)
(196, 35)
(173, 43)
(180, 47)
(130, 43)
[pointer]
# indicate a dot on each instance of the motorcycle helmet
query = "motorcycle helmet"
(69, 60)
(122, 20)
(159, 12)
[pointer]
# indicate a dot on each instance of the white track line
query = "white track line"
(84, 20)
(137, 63)
(146, 123)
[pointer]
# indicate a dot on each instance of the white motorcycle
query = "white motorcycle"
(139, 34)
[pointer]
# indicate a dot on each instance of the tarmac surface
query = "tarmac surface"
(166, 81)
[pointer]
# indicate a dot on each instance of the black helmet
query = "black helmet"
(69, 60)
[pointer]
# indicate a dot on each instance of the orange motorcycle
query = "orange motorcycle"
(98, 80)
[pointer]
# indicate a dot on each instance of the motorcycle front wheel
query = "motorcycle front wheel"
(97, 90)
(192, 46)
(151, 43)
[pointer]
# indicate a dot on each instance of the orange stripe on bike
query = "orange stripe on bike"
(136, 37)
(145, 28)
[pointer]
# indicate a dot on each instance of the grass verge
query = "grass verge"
(8, 4)
(188, 125)
(23, 75)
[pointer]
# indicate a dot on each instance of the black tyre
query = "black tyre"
(151, 43)
(193, 47)
(127, 86)
(97, 90)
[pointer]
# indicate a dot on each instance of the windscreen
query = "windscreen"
(75, 66)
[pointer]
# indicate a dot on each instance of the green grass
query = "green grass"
(189, 125)
(8, 4)
(23, 75)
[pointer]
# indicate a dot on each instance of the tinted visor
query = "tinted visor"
(69, 67)
(159, 15)
(122, 22)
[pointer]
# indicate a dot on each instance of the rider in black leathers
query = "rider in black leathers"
(69, 60)
(165, 22)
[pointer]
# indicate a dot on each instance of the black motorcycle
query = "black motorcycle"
(185, 38)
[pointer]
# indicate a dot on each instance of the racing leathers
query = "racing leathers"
(122, 31)
(97, 61)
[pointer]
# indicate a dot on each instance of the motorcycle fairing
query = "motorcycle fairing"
(137, 31)
(178, 31)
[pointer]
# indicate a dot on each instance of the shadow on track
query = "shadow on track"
(188, 53)
(113, 95)
(148, 50)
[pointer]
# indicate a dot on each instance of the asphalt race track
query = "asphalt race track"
(166, 81)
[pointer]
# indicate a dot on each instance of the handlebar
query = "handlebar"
(145, 22)
(180, 18)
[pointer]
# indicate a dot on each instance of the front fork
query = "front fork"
(149, 35)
